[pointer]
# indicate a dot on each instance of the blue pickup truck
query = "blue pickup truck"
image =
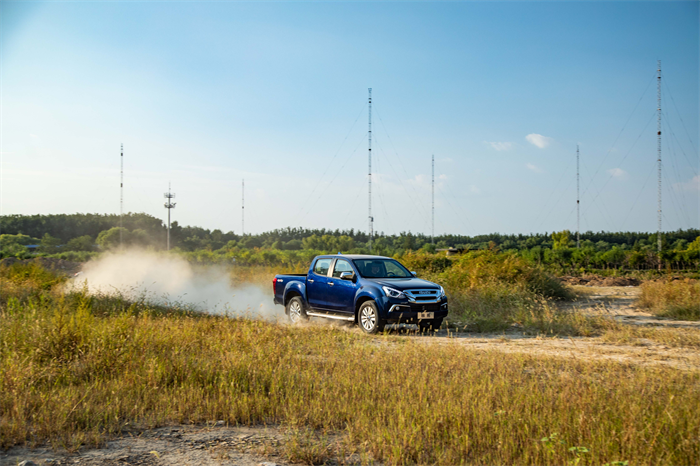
(371, 291)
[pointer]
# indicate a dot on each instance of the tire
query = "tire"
(429, 325)
(295, 310)
(368, 318)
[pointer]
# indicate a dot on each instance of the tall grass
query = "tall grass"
(678, 299)
(76, 369)
(490, 291)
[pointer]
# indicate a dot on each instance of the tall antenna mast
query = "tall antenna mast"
(243, 206)
(371, 219)
(578, 205)
(169, 204)
(658, 149)
(121, 200)
(432, 196)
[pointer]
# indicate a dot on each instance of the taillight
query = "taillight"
(274, 285)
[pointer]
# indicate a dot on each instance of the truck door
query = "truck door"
(317, 284)
(341, 293)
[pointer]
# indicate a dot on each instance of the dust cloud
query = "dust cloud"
(170, 280)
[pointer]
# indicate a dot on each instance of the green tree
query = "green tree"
(109, 239)
(81, 243)
(561, 239)
(49, 244)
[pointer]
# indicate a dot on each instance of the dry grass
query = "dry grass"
(677, 299)
(75, 370)
(636, 335)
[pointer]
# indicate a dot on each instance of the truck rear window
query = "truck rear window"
(322, 266)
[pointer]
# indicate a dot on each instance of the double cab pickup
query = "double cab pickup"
(371, 291)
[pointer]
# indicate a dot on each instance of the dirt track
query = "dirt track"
(218, 445)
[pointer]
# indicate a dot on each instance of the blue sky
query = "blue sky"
(203, 95)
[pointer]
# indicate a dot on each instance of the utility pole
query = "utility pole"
(578, 205)
(658, 150)
(371, 219)
(169, 204)
(121, 201)
(243, 207)
(432, 195)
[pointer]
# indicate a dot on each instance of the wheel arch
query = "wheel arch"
(360, 301)
(292, 290)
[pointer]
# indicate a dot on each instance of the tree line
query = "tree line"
(82, 235)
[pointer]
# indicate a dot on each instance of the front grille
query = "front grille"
(416, 296)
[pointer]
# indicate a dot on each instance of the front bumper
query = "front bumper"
(407, 312)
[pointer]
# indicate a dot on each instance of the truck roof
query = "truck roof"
(356, 256)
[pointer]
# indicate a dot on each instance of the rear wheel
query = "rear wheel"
(296, 311)
(429, 325)
(369, 319)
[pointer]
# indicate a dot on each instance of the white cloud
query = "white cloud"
(500, 145)
(442, 177)
(617, 173)
(692, 185)
(534, 168)
(33, 136)
(474, 189)
(538, 140)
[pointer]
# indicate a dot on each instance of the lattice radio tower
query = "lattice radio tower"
(243, 207)
(578, 205)
(169, 204)
(432, 198)
(658, 149)
(369, 136)
(121, 200)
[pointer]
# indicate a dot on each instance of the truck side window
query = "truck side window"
(340, 267)
(322, 266)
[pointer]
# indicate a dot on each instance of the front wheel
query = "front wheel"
(296, 311)
(369, 319)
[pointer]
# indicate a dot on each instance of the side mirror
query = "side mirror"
(347, 276)
(414, 274)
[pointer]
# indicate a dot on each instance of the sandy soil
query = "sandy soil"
(180, 445)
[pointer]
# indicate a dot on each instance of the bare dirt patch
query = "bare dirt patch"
(599, 280)
(218, 445)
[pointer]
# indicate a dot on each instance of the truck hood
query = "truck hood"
(402, 284)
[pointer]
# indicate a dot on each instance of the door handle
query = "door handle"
(331, 283)
(310, 280)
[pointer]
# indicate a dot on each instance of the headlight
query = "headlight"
(392, 293)
(442, 292)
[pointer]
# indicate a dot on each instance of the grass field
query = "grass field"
(676, 299)
(77, 369)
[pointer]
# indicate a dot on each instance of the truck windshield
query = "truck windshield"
(381, 268)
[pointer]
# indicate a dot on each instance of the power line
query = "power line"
(396, 153)
(619, 134)
(313, 204)
(329, 163)
(413, 201)
(651, 172)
